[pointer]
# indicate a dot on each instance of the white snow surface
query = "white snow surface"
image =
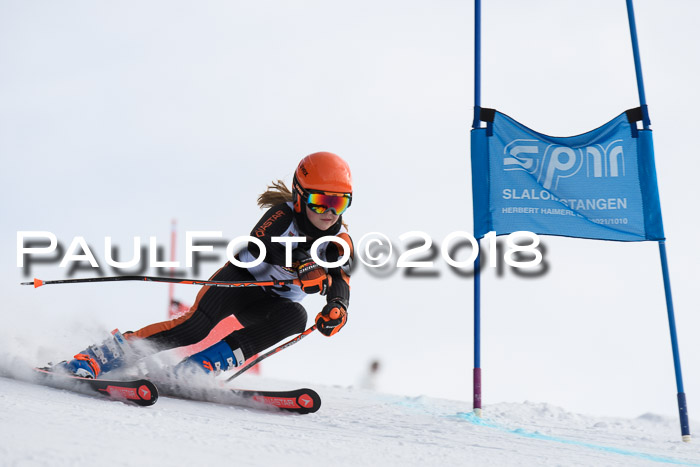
(45, 426)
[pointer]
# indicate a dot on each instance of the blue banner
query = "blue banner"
(599, 185)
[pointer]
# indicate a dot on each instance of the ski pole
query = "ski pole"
(269, 283)
(272, 352)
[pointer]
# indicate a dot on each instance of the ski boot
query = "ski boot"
(97, 359)
(215, 359)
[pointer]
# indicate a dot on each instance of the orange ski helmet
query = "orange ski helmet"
(321, 172)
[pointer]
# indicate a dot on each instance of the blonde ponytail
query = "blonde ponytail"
(276, 193)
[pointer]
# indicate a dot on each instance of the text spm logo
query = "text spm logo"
(551, 162)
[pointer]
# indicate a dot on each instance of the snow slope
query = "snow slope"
(44, 426)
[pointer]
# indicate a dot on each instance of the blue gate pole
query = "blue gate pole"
(477, 54)
(682, 405)
(476, 393)
(637, 61)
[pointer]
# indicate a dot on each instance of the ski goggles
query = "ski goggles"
(321, 202)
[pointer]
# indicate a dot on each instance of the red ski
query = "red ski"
(140, 391)
(298, 400)
(302, 401)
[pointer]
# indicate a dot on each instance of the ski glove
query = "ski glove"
(312, 276)
(333, 317)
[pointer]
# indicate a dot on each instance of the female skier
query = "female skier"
(321, 192)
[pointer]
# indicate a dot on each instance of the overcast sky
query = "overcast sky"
(118, 117)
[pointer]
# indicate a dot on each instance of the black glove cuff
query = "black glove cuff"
(300, 255)
(338, 301)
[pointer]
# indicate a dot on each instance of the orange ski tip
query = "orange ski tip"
(38, 283)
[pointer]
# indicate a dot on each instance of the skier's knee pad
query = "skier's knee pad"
(289, 318)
